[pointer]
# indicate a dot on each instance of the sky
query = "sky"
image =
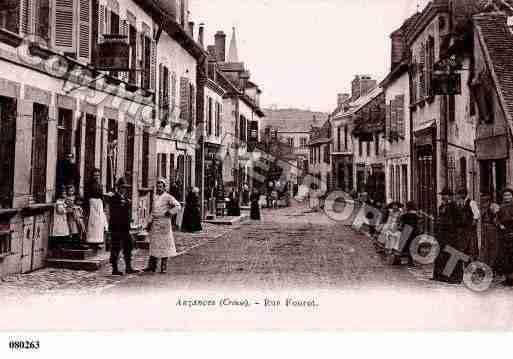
(303, 52)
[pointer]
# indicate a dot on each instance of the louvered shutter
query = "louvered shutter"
(123, 29)
(27, 16)
(153, 65)
(387, 121)
(422, 72)
(400, 115)
(192, 96)
(139, 58)
(173, 94)
(184, 98)
(64, 34)
(393, 117)
(108, 21)
(161, 92)
(84, 31)
(101, 22)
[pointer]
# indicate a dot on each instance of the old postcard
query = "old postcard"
(186, 165)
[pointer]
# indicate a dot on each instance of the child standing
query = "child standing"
(75, 218)
(60, 228)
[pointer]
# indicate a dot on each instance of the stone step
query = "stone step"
(90, 264)
(227, 221)
(79, 254)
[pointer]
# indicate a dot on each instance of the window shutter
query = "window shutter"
(153, 65)
(393, 116)
(108, 19)
(192, 95)
(161, 86)
(387, 121)
(123, 29)
(64, 34)
(422, 75)
(400, 115)
(27, 15)
(184, 98)
(139, 58)
(84, 31)
(101, 22)
(173, 94)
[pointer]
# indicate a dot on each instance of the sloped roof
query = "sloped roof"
(497, 42)
(357, 104)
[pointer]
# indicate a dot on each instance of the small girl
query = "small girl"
(60, 228)
(75, 218)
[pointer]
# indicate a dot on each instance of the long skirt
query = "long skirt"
(97, 222)
(191, 219)
(441, 262)
(255, 211)
(489, 250)
(505, 260)
(162, 242)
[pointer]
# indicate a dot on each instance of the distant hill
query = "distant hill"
(294, 114)
(293, 120)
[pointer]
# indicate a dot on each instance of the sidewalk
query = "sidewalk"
(51, 279)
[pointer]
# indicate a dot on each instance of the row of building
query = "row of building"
(128, 87)
(441, 118)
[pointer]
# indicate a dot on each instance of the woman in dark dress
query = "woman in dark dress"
(233, 206)
(255, 207)
(448, 222)
(192, 212)
(505, 236)
(489, 249)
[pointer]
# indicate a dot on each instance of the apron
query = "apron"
(97, 221)
(60, 221)
(162, 242)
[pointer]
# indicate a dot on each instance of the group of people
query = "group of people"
(456, 229)
(401, 226)
(76, 223)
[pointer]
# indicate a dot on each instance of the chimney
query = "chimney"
(341, 98)
(191, 28)
(211, 49)
(201, 31)
(220, 39)
(355, 87)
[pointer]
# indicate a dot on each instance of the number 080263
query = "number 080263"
(23, 344)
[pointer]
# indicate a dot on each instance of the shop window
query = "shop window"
(8, 113)
(145, 158)
(90, 146)
(39, 152)
(130, 153)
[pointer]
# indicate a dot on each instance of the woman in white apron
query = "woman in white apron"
(97, 222)
(162, 243)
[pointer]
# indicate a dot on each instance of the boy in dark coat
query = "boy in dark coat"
(119, 226)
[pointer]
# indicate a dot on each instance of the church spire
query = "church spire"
(233, 54)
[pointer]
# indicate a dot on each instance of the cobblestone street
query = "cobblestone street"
(291, 248)
(291, 253)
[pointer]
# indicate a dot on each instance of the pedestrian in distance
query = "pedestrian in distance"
(119, 225)
(162, 243)
(255, 205)
(192, 213)
(505, 231)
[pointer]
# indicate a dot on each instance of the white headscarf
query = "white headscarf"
(164, 181)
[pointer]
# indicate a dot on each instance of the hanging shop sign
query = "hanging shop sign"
(113, 54)
(446, 84)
